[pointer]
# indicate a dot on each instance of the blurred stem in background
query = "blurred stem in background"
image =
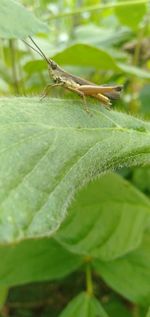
(3, 297)
(89, 282)
(136, 311)
(135, 86)
(14, 63)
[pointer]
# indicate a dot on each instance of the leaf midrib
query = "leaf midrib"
(49, 128)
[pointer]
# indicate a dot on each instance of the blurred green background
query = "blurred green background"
(102, 41)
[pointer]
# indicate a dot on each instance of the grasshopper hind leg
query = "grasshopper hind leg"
(104, 100)
(81, 94)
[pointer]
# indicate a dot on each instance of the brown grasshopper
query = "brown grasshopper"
(82, 87)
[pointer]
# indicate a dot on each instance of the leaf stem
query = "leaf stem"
(13, 63)
(137, 49)
(98, 7)
(141, 33)
(3, 296)
(89, 283)
(136, 311)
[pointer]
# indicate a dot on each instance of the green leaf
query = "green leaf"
(35, 260)
(90, 33)
(84, 306)
(86, 55)
(141, 179)
(35, 67)
(115, 306)
(92, 56)
(133, 70)
(16, 21)
(130, 275)
(148, 313)
(131, 15)
(49, 150)
(106, 220)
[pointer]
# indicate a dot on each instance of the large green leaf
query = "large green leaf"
(130, 275)
(92, 56)
(16, 21)
(35, 260)
(105, 37)
(106, 220)
(84, 306)
(131, 15)
(86, 55)
(50, 149)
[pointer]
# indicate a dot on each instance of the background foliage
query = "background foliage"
(91, 256)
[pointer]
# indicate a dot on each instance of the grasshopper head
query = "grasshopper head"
(53, 64)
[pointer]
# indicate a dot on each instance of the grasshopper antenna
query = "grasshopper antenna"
(32, 48)
(39, 51)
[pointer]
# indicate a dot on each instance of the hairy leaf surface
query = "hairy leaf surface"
(51, 149)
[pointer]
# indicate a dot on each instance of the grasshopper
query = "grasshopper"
(61, 78)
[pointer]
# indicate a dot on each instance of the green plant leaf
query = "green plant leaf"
(35, 260)
(84, 306)
(141, 179)
(133, 70)
(16, 21)
(35, 67)
(131, 15)
(50, 149)
(98, 58)
(86, 55)
(130, 275)
(116, 307)
(148, 313)
(106, 220)
(90, 33)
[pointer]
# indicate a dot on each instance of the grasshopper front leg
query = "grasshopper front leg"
(49, 86)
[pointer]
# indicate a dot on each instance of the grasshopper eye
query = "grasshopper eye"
(53, 65)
